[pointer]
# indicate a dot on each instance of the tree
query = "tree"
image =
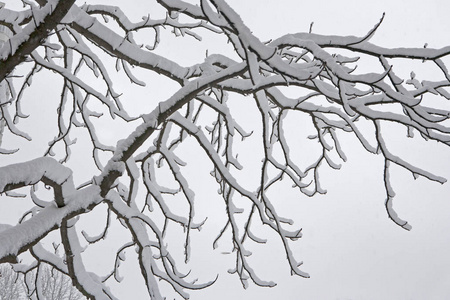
(78, 47)
(53, 285)
(10, 286)
(43, 280)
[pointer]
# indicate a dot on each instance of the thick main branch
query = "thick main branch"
(34, 34)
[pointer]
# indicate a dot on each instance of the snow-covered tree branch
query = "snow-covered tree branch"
(118, 148)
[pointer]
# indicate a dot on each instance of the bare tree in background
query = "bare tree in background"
(73, 41)
(42, 282)
(11, 285)
(54, 285)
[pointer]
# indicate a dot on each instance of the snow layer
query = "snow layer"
(33, 171)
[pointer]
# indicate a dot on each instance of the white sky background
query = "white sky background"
(349, 246)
